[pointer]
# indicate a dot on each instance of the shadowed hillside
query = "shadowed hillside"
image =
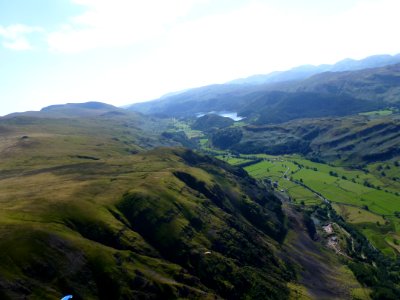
(351, 140)
(382, 84)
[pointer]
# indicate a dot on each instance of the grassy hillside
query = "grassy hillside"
(219, 97)
(85, 210)
(370, 84)
(350, 141)
(211, 122)
(321, 95)
(279, 107)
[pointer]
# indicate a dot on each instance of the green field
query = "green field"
(364, 198)
(344, 191)
(234, 160)
(356, 215)
(274, 169)
(336, 184)
(182, 126)
(383, 112)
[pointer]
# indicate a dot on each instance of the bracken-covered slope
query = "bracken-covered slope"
(85, 211)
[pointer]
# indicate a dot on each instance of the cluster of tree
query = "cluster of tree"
(226, 137)
(333, 173)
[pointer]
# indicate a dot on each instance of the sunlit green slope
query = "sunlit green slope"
(85, 210)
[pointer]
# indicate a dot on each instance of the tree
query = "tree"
(226, 137)
(332, 173)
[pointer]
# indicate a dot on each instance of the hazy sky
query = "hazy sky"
(125, 51)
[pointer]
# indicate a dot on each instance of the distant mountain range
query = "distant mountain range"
(382, 84)
(347, 87)
(305, 71)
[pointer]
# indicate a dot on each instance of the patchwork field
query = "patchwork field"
(364, 198)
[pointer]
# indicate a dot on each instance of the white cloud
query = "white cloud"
(181, 52)
(15, 36)
(158, 46)
(118, 23)
(18, 44)
(261, 37)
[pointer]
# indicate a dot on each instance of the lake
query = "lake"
(232, 115)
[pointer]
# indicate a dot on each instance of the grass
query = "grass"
(388, 172)
(239, 124)
(358, 292)
(55, 202)
(183, 126)
(361, 293)
(271, 168)
(298, 292)
(383, 112)
(60, 211)
(356, 215)
(203, 142)
(299, 195)
(233, 160)
(346, 188)
(377, 229)
(378, 235)
(63, 225)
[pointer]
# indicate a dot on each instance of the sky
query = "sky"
(127, 51)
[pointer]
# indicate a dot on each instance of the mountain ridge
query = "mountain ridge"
(320, 95)
(305, 71)
(239, 86)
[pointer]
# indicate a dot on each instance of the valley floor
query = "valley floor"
(364, 198)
